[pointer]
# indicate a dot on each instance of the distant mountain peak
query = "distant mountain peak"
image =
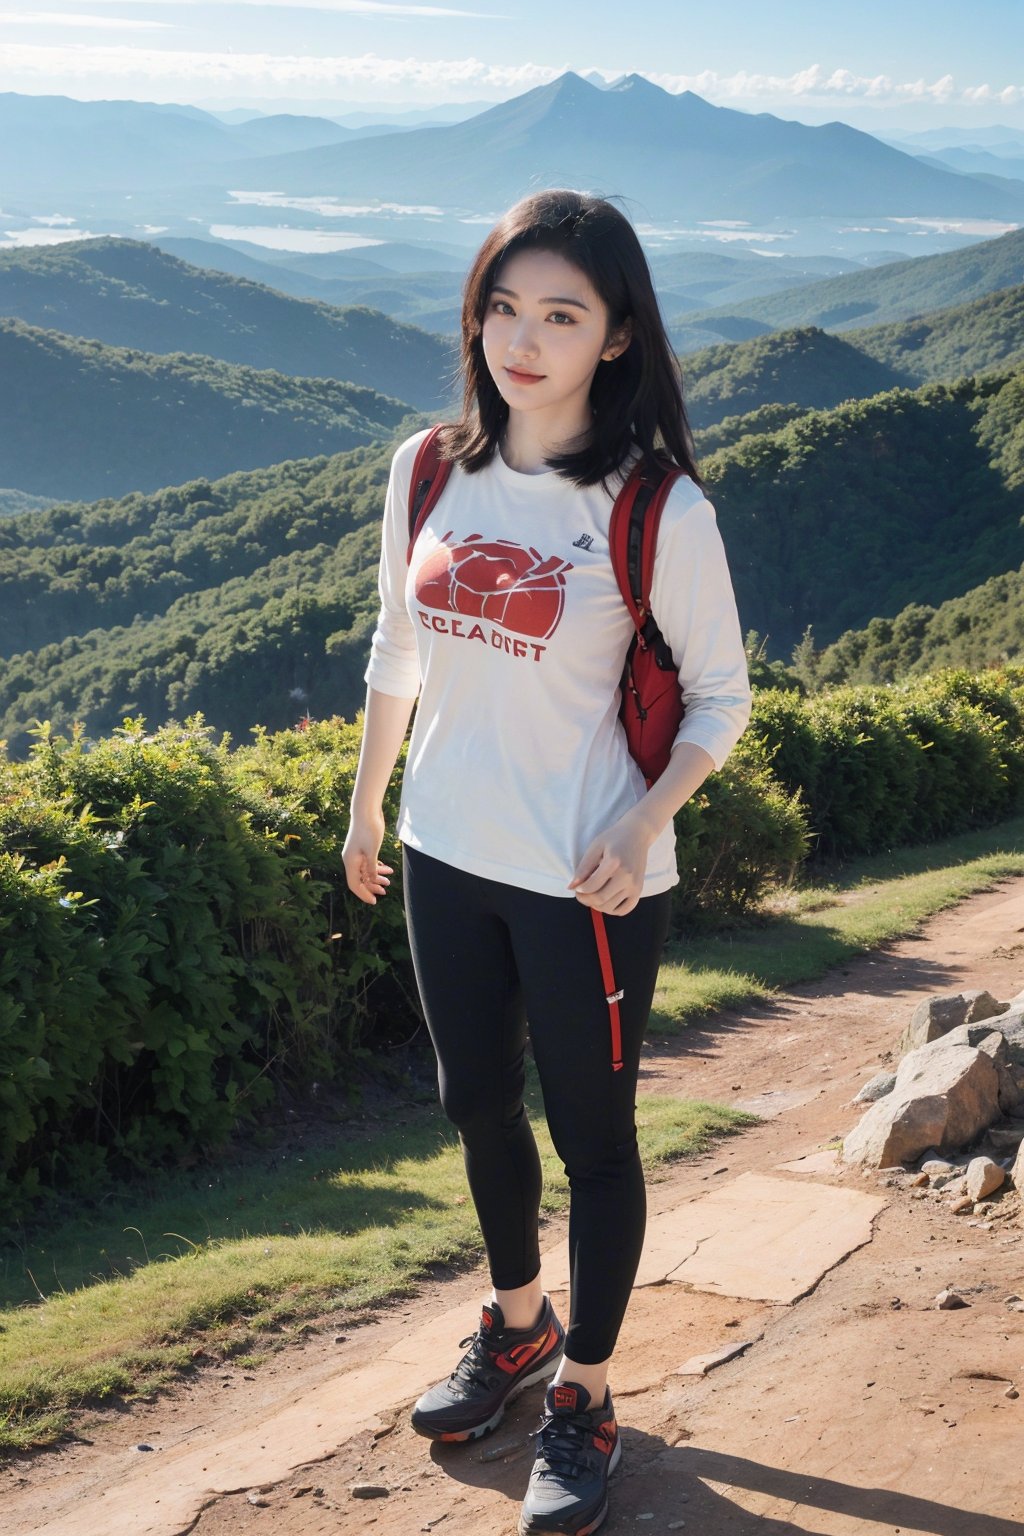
(569, 80)
(635, 82)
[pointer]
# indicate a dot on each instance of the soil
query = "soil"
(860, 1408)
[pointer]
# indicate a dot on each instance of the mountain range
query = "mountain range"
(673, 156)
(668, 156)
(60, 143)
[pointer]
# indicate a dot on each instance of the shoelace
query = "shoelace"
(476, 1368)
(563, 1438)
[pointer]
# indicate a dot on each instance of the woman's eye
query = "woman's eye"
(560, 315)
(499, 303)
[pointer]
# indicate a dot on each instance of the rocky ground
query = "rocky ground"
(859, 1406)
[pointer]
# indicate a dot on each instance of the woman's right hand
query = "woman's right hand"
(367, 877)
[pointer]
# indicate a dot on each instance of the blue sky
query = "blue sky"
(888, 64)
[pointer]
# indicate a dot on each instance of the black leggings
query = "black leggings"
(487, 955)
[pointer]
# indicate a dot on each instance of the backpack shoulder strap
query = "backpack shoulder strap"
(633, 535)
(429, 475)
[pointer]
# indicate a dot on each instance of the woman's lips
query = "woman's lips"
(523, 378)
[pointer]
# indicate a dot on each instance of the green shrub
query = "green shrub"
(205, 956)
(880, 767)
(741, 835)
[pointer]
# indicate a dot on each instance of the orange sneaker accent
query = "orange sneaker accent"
(565, 1397)
(603, 1445)
(521, 1354)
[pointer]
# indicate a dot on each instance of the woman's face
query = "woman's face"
(545, 330)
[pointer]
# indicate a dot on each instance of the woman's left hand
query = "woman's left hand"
(610, 875)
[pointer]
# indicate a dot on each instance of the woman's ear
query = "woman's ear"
(618, 342)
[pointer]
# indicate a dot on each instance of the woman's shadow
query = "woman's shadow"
(671, 1483)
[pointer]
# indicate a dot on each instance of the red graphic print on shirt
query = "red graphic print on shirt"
(498, 580)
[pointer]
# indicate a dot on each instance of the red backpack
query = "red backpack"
(652, 705)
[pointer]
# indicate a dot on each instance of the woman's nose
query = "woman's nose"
(523, 341)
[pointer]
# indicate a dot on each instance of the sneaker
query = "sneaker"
(578, 1449)
(499, 1363)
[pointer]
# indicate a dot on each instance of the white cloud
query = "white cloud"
(448, 79)
(9, 238)
(77, 19)
(358, 7)
(821, 84)
(81, 62)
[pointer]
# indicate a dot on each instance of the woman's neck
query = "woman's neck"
(527, 442)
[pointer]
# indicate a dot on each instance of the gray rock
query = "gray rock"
(945, 1096)
(983, 1177)
(369, 1491)
(1006, 1138)
(982, 1005)
(940, 1167)
(947, 1180)
(875, 1088)
(1011, 1027)
(949, 1301)
(936, 1016)
(995, 1044)
(1017, 1171)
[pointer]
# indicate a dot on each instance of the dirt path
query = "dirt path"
(858, 1408)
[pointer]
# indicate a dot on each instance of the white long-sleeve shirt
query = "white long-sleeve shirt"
(509, 626)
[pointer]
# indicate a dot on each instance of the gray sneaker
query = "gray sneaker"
(578, 1448)
(499, 1363)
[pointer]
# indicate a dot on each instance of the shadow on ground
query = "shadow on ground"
(671, 1482)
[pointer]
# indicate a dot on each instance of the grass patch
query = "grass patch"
(237, 1262)
(819, 924)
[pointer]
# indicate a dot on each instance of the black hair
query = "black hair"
(637, 398)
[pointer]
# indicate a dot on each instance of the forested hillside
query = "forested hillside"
(806, 368)
(900, 290)
(129, 293)
(811, 367)
(85, 567)
(145, 421)
(252, 598)
(88, 420)
(848, 514)
(982, 628)
(987, 333)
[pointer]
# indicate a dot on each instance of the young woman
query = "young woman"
(522, 811)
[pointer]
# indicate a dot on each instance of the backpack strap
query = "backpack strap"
(612, 994)
(633, 540)
(429, 476)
